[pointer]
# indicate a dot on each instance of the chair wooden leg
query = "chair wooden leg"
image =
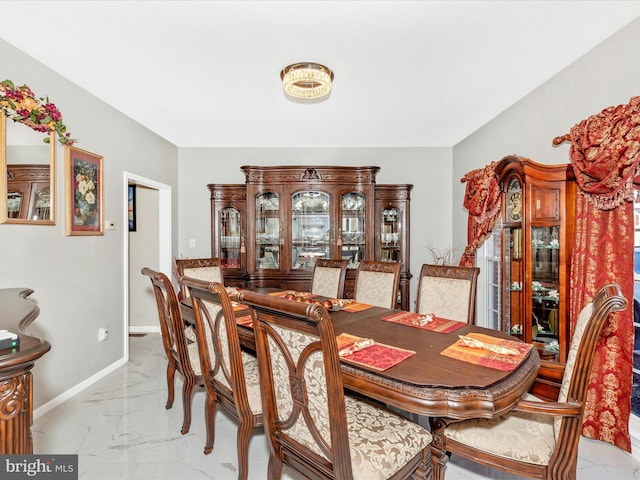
(171, 373)
(423, 472)
(274, 470)
(244, 434)
(210, 421)
(187, 395)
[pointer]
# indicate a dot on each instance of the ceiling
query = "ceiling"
(407, 73)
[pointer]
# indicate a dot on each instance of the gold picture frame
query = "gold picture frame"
(84, 192)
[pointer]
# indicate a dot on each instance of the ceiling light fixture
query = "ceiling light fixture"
(306, 80)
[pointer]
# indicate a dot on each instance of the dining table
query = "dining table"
(428, 382)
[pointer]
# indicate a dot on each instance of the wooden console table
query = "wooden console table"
(16, 382)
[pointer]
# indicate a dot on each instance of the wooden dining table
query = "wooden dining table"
(427, 383)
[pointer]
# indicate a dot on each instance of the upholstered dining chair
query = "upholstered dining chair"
(448, 292)
(377, 283)
(311, 424)
(538, 438)
(182, 355)
(328, 277)
(231, 374)
(208, 269)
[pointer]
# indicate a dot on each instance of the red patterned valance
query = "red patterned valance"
(605, 154)
(482, 200)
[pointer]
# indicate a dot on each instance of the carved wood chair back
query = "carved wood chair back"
(231, 374)
(448, 292)
(182, 355)
(328, 277)
(311, 424)
(377, 283)
(207, 269)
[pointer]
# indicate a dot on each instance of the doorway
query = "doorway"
(161, 247)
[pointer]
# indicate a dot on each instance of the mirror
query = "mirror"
(28, 168)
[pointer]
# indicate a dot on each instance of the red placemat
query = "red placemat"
(438, 324)
(378, 356)
(486, 358)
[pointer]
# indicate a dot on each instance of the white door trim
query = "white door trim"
(164, 240)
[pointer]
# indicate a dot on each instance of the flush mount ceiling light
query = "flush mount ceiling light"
(306, 80)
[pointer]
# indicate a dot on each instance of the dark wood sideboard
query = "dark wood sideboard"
(16, 381)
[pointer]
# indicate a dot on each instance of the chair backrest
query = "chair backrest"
(328, 277)
(207, 269)
(218, 343)
(302, 392)
(448, 292)
(377, 283)
(171, 321)
(582, 349)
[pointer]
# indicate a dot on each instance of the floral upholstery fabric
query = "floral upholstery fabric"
(326, 282)
(208, 274)
(381, 442)
(194, 358)
(525, 437)
(375, 288)
(249, 362)
(445, 297)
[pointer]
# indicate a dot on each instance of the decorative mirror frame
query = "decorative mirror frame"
(4, 217)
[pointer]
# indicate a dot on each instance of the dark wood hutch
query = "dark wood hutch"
(269, 231)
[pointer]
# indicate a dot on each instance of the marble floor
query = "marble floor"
(121, 431)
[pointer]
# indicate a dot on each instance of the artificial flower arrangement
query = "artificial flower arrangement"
(21, 105)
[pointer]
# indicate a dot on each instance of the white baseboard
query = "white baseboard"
(54, 402)
(634, 432)
(133, 329)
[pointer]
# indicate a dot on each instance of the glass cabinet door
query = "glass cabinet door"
(353, 228)
(545, 276)
(267, 252)
(41, 204)
(310, 228)
(390, 233)
(230, 240)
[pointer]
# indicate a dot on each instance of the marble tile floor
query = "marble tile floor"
(121, 431)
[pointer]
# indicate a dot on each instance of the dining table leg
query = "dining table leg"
(439, 456)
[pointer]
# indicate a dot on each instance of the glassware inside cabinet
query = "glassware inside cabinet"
(545, 301)
(352, 232)
(390, 234)
(514, 280)
(230, 240)
(310, 228)
(268, 230)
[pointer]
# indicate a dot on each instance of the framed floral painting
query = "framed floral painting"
(83, 172)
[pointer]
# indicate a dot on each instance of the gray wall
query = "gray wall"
(143, 252)
(608, 75)
(78, 281)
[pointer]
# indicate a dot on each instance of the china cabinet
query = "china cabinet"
(28, 192)
(228, 210)
(270, 231)
(534, 238)
(392, 231)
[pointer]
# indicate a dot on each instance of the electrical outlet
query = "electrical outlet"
(103, 334)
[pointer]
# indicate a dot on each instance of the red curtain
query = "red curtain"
(605, 155)
(482, 200)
